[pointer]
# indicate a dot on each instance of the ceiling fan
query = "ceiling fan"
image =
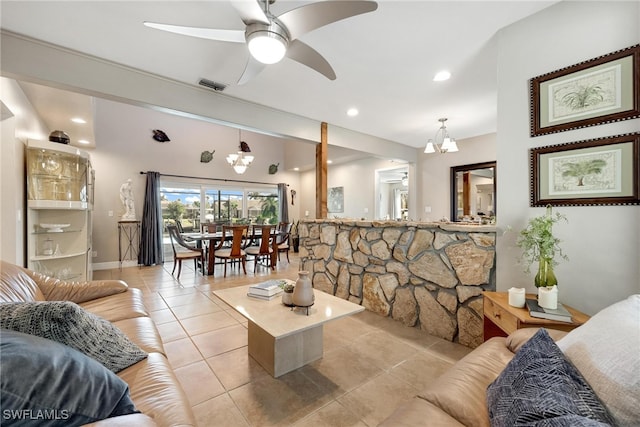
(395, 177)
(270, 38)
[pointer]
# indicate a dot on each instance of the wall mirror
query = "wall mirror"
(473, 192)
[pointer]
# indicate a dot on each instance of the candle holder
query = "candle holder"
(517, 297)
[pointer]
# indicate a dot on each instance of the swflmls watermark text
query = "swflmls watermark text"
(35, 414)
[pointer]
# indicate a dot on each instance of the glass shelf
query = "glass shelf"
(56, 172)
(57, 204)
(51, 257)
(65, 231)
(59, 192)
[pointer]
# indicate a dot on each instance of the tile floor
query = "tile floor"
(370, 365)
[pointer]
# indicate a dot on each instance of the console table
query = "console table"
(128, 240)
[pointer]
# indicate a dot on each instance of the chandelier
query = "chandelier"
(441, 142)
(240, 160)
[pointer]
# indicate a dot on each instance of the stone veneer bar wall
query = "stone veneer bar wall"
(425, 275)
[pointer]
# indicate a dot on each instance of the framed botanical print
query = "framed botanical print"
(602, 171)
(335, 200)
(597, 91)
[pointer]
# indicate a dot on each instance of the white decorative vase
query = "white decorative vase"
(548, 297)
(303, 292)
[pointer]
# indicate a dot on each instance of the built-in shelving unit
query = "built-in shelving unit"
(59, 205)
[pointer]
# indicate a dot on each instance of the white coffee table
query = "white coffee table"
(282, 339)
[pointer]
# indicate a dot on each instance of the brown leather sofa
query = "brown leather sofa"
(153, 386)
(458, 397)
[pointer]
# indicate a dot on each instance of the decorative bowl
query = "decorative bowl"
(54, 228)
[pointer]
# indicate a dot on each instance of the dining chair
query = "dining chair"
(282, 239)
(182, 250)
(235, 251)
(265, 249)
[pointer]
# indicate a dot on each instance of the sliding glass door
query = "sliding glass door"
(190, 204)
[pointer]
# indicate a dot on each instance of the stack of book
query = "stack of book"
(265, 290)
(560, 314)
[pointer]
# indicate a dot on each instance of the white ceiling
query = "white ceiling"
(384, 60)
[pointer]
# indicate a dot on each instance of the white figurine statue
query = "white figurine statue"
(126, 197)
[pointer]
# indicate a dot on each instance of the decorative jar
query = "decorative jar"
(303, 291)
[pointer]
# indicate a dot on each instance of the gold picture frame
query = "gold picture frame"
(593, 92)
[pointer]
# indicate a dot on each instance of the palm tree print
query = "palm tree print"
(582, 169)
(583, 96)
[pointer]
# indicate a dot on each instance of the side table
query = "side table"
(501, 319)
(128, 240)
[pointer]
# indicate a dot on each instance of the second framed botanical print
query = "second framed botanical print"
(601, 90)
(602, 171)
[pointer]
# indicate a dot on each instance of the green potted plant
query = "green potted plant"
(287, 295)
(539, 244)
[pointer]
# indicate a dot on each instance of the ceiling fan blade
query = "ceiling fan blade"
(252, 69)
(306, 55)
(250, 11)
(315, 15)
(235, 36)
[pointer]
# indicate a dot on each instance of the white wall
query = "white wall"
(12, 212)
(434, 173)
(18, 124)
(359, 181)
(602, 242)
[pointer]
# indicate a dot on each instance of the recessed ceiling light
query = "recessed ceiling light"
(442, 76)
(83, 141)
(329, 161)
(296, 169)
(352, 112)
(78, 120)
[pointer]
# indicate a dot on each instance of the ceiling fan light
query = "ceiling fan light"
(248, 159)
(266, 46)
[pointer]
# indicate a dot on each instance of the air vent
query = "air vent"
(218, 87)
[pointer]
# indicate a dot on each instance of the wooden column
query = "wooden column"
(466, 193)
(321, 173)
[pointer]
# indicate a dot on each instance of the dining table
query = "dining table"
(213, 239)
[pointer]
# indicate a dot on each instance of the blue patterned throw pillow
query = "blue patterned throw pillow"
(540, 387)
(46, 384)
(69, 324)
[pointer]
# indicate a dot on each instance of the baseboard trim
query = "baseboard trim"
(113, 264)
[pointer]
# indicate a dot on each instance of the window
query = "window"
(191, 204)
(262, 207)
(180, 205)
